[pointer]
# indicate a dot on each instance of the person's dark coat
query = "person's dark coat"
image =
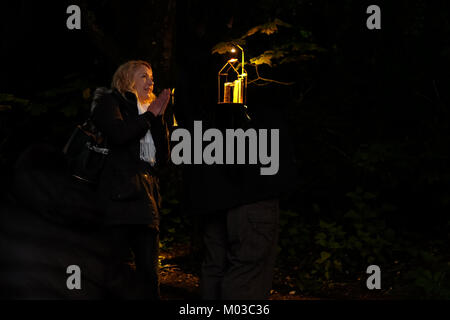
(128, 188)
(210, 189)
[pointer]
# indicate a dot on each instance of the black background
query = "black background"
(370, 112)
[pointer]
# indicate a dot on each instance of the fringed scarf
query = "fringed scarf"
(147, 149)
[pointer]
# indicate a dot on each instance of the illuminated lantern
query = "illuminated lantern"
(232, 84)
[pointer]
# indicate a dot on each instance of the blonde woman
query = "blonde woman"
(131, 118)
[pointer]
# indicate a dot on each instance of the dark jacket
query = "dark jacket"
(128, 189)
(210, 189)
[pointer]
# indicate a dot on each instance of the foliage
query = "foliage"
(175, 226)
(296, 48)
(337, 250)
(8, 100)
(268, 28)
(427, 272)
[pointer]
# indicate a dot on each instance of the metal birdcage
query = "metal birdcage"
(232, 85)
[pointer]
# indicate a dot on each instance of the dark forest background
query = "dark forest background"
(368, 111)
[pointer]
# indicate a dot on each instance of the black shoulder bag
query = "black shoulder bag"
(86, 152)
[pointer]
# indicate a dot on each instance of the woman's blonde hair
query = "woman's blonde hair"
(123, 77)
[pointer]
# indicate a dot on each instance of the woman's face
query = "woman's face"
(143, 82)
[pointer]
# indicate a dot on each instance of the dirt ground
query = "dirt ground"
(179, 276)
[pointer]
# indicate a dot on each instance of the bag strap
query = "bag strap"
(94, 148)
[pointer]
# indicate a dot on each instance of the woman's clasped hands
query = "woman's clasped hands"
(158, 107)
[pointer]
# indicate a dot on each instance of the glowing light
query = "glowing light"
(232, 60)
(233, 50)
(175, 123)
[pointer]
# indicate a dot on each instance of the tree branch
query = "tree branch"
(259, 78)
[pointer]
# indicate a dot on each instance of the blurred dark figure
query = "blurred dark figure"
(238, 209)
(48, 224)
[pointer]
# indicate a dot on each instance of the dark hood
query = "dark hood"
(101, 92)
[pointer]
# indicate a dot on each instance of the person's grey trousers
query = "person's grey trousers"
(240, 252)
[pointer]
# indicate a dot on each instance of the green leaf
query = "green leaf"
(337, 264)
(305, 34)
(10, 98)
(325, 225)
(289, 213)
(323, 257)
(176, 219)
(86, 93)
(226, 46)
(369, 195)
(297, 58)
(351, 214)
(267, 28)
(165, 211)
(70, 110)
(293, 231)
(334, 245)
(321, 235)
(267, 56)
(37, 109)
